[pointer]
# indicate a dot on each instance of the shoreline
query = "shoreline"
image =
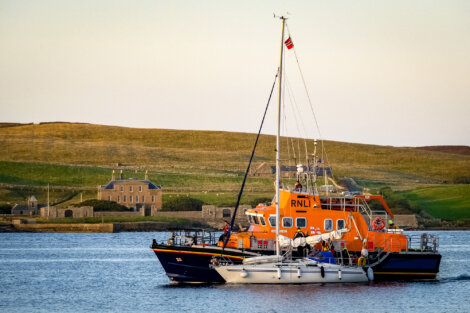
(136, 227)
(98, 227)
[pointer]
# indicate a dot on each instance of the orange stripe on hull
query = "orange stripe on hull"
(198, 253)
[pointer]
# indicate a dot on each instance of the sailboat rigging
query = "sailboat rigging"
(342, 221)
(277, 269)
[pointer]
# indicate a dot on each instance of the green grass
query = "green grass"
(445, 202)
(20, 194)
(40, 174)
(223, 199)
(76, 158)
(214, 153)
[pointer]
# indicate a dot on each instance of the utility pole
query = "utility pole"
(48, 212)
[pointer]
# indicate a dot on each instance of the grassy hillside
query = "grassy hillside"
(464, 150)
(75, 158)
(214, 152)
(445, 202)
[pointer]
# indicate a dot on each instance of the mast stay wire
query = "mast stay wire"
(310, 102)
(297, 115)
(294, 114)
(289, 140)
(288, 89)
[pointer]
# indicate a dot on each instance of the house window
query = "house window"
(122, 188)
(153, 198)
(272, 220)
(140, 188)
(109, 198)
(340, 224)
(301, 222)
(287, 222)
(226, 213)
(130, 199)
(136, 199)
(143, 199)
(328, 224)
(119, 199)
(124, 199)
(131, 188)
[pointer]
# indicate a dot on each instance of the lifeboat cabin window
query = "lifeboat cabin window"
(301, 222)
(287, 222)
(255, 218)
(272, 220)
(340, 224)
(328, 226)
(250, 219)
(262, 220)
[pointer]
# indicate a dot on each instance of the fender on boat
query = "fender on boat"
(370, 274)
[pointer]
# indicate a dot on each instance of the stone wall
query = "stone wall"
(215, 213)
(141, 226)
(406, 221)
(181, 214)
(119, 214)
(72, 212)
(66, 228)
(211, 215)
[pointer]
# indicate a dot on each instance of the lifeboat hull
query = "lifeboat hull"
(407, 266)
(192, 264)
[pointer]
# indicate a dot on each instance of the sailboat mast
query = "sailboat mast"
(278, 139)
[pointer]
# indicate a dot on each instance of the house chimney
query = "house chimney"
(122, 176)
(112, 176)
(146, 175)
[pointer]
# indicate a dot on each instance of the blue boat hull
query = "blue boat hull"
(192, 264)
(407, 266)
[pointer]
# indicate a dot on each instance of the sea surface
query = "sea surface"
(71, 272)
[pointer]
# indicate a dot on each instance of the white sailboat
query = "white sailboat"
(276, 269)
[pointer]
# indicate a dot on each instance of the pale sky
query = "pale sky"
(378, 72)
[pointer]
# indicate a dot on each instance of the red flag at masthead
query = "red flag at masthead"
(289, 43)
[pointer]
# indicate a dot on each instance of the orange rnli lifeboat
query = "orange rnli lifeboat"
(315, 215)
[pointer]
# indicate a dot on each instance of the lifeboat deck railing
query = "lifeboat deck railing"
(355, 205)
(424, 242)
(188, 238)
(415, 243)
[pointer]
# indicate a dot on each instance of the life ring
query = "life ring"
(361, 261)
(378, 223)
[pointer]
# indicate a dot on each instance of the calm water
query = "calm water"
(119, 273)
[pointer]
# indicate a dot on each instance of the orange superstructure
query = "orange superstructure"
(313, 215)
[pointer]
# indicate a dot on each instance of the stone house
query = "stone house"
(32, 208)
(133, 193)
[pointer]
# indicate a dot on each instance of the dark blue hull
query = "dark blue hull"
(407, 266)
(190, 264)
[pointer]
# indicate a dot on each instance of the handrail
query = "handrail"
(188, 238)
